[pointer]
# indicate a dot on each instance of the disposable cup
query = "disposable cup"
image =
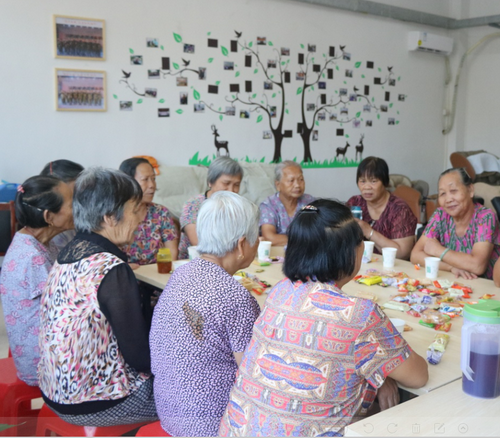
(368, 251)
(178, 263)
(389, 255)
(193, 252)
(264, 250)
(432, 267)
(399, 324)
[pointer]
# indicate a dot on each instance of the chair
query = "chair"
(411, 197)
(496, 205)
(153, 429)
(15, 401)
(49, 423)
(8, 225)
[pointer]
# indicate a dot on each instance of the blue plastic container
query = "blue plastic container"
(8, 192)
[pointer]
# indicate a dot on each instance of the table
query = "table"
(447, 411)
(447, 371)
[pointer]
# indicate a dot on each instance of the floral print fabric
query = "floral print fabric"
(482, 228)
(24, 274)
(188, 216)
(153, 232)
(314, 362)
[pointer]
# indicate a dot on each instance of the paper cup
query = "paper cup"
(399, 324)
(264, 250)
(368, 251)
(178, 263)
(193, 252)
(432, 267)
(389, 255)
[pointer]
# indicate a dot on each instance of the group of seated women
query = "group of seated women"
(210, 363)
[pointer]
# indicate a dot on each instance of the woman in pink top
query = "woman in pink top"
(463, 234)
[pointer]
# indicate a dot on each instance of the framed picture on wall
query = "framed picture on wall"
(79, 38)
(80, 90)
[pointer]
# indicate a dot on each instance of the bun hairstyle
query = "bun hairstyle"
(464, 176)
(65, 170)
(34, 196)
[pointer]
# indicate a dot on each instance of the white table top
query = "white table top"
(448, 370)
(447, 411)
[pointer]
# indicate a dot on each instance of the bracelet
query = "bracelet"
(443, 254)
(371, 234)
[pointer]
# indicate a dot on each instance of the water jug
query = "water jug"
(480, 359)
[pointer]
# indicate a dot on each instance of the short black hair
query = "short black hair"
(34, 196)
(374, 167)
(65, 170)
(464, 176)
(130, 166)
(322, 242)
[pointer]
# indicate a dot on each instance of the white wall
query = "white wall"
(34, 133)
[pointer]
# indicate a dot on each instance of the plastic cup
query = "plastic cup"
(178, 263)
(389, 255)
(432, 267)
(193, 252)
(357, 212)
(264, 250)
(368, 251)
(399, 324)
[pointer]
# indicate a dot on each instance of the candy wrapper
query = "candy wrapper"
(394, 305)
(367, 295)
(435, 320)
(437, 348)
(369, 281)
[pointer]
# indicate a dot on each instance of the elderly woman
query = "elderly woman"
(157, 228)
(43, 209)
(94, 367)
(68, 172)
(463, 234)
(387, 220)
(203, 320)
(318, 356)
(223, 174)
(278, 210)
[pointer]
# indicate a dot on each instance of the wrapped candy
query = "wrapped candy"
(437, 348)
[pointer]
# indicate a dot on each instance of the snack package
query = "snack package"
(369, 281)
(437, 348)
(367, 295)
(394, 305)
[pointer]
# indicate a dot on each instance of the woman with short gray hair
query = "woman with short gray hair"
(94, 368)
(223, 174)
(203, 320)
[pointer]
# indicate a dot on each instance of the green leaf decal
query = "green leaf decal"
(302, 46)
(250, 44)
(358, 64)
(210, 60)
(254, 95)
(176, 66)
(220, 117)
(259, 119)
(115, 96)
(274, 95)
(272, 76)
(270, 43)
(323, 76)
(399, 78)
(347, 136)
(378, 116)
(161, 100)
(209, 33)
(398, 112)
(337, 67)
(217, 82)
(317, 123)
(220, 108)
(286, 111)
(224, 50)
(373, 99)
(363, 76)
(161, 47)
(345, 82)
(358, 114)
(179, 111)
(233, 96)
(283, 62)
(177, 37)
(131, 51)
(312, 88)
(379, 69)
(390, 105)
(256, 70)
(397, 122)
(237, 74)
(139, 101)
(299, 90)
(196, 95)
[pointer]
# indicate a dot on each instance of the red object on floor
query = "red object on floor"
(49, 421)
(153, 429)
(15, 401)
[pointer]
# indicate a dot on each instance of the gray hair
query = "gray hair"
(102, 192)
(224, 218)
(223, 166)
(278, 170)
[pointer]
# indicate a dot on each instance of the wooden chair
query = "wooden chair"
(8, 225)
(411, 197)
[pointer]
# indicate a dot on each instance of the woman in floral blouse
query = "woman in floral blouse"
(463, 234)
(157, 229)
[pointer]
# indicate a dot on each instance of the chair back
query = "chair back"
(459, 160)
(8, 225)
(411, 197)
(496, 205)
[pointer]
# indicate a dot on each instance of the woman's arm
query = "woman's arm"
(190, 231)
(173, 245)
(269, 233)
(412, 373)
(496, 273)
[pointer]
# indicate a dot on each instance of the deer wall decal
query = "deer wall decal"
(360, 148)
(342, 151)
(219, 144)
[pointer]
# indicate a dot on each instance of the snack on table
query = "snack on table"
(394, 305)
(437, 348)
(369, 281)
(367, 295)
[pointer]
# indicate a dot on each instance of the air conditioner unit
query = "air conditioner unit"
(428, 42)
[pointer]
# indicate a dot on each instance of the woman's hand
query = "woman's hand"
(134, 266)
(365, 227)
(433, 248)
(463, 273)
(388, 394)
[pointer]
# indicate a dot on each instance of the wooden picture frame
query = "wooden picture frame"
(79, 38)
(80, 90)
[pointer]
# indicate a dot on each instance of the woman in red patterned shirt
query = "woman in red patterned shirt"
(387, 220)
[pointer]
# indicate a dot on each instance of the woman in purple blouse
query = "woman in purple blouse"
(203, 320)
